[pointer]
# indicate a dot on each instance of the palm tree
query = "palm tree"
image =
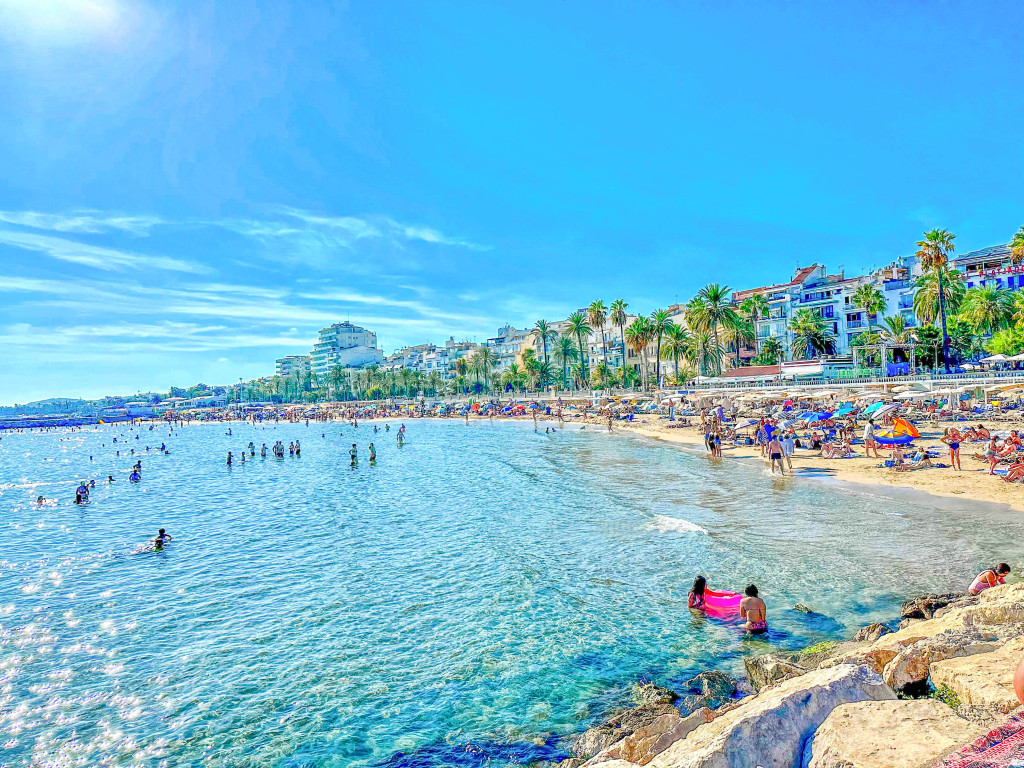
(755, 307)
(772, 349)
(738, 335)
(926, 297)
(638, 336)
(580, 328)
(601, 376)
(660, 321)
(513, 377)
(812, 335)
(987, 308)
(565, 353)
(676, 345)
(481, 361)
(545, 333)
(870, 299)
(334, 378)
(596, 317)
(934, 252)
(618, 317)
(713, 310)
(895, 331)
(706, 353)
(1017, 246)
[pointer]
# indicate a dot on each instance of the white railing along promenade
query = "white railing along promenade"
(935, 381)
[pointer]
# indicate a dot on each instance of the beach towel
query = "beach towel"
(999, 748)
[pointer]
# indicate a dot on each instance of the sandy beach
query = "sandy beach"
(973, 482)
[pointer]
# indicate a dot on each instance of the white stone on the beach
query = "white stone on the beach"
(911, 664)
(984, 681)
(770, 730)
(888, 734)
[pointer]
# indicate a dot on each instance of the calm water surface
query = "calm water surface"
(478, 594)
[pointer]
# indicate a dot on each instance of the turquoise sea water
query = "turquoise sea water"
(470, 600)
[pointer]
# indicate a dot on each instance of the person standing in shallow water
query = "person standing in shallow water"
(753, 609)
(353, 455)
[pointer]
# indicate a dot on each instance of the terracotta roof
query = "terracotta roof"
(801, 274)
(752, 370)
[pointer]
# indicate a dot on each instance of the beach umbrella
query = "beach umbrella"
(886, 409)
(819, 416)
(995, 359)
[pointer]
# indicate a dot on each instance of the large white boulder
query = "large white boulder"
(983, 682)
(770, 730)
(910, 665)
(888, 734)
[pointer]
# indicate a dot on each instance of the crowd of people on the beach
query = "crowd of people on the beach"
(778, 436)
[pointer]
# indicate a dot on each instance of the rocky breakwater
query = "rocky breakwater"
(898, 699)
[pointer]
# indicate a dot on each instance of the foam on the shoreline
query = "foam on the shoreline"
(665, 524)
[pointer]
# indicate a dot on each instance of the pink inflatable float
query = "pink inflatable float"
(722, 602)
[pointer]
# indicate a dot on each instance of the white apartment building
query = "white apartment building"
(345, 345)
(289, 364)
(832, 298)
(430, 358)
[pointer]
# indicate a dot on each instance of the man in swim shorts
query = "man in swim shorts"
(753, 609)
(353, 455)
(775, 454)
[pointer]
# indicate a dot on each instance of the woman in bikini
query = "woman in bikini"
(993, 577)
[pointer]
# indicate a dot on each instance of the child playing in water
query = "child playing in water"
(696, 597)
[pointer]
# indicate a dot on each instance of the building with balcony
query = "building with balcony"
(345, 345)
(289, 364)
(991, 266)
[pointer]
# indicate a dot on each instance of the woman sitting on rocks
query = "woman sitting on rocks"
(991, 578)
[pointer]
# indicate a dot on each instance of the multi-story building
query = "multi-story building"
(991, 266)
(290, 364)
(833, 298)
(508, 346)
(345, 345)
(430, 358)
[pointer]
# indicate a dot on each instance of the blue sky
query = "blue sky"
(191, 190)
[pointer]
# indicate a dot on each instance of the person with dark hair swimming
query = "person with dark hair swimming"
(696, 597)
(753, 609)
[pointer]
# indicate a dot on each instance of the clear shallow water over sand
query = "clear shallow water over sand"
(477, 594)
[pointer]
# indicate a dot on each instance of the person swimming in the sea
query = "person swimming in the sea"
(163, 537)
(134, 477)
(298, 448)
(373, 454)
(353, 455)
(229, 458)
(401, 440)
(110, 479)
(263, 451)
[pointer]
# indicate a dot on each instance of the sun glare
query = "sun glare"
(61, 20)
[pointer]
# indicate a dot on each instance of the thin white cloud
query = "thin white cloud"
(95, 256)
(87, 221)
